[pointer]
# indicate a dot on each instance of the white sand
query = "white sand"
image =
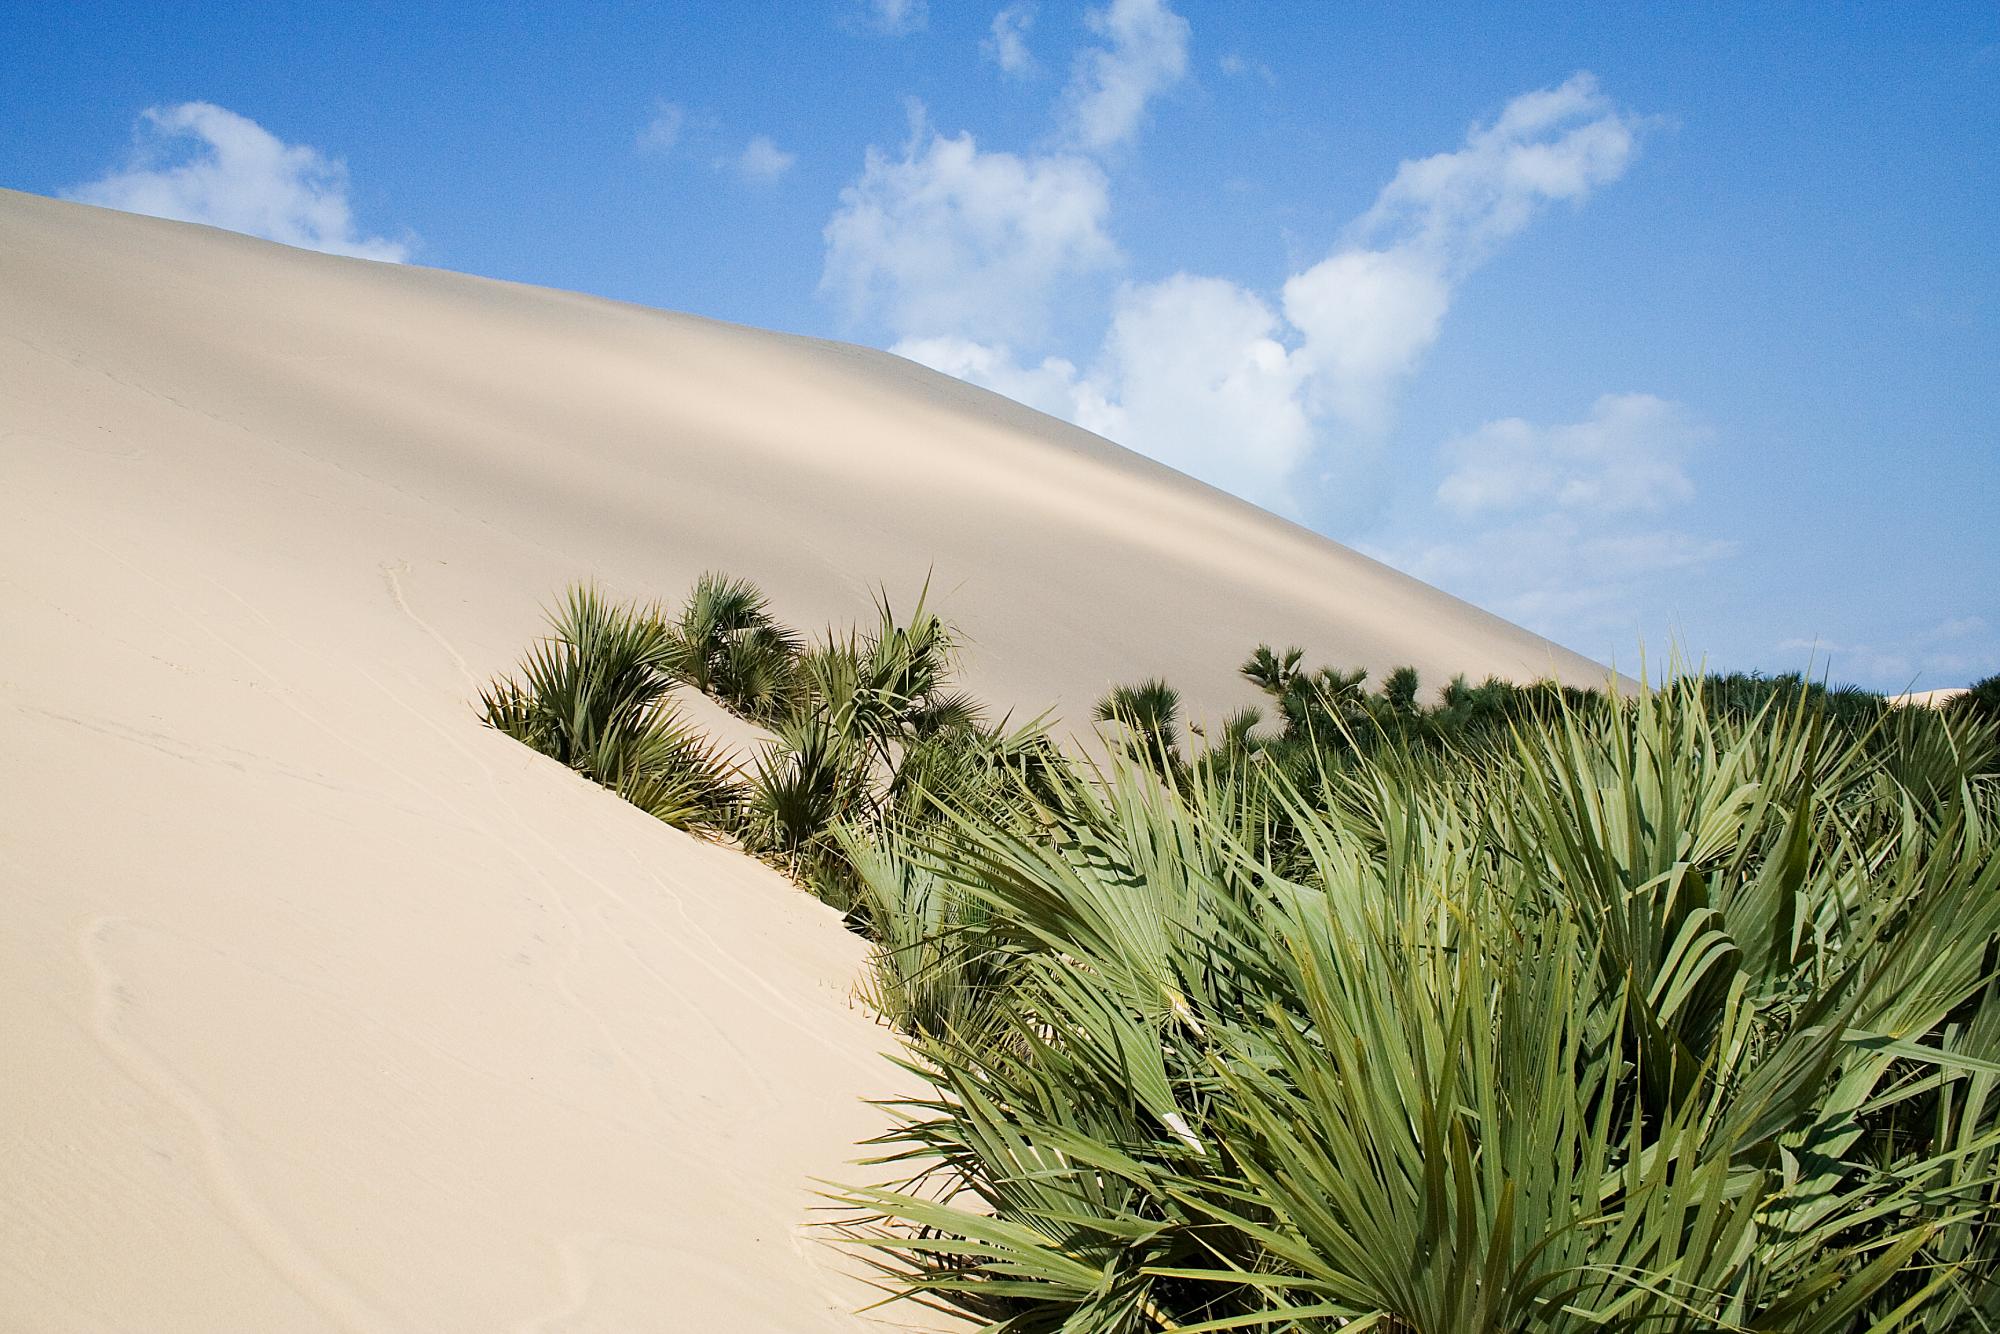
(1928, 699)
(322, 1007)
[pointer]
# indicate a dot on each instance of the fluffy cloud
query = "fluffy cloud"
(762, 160)
(946, 240)
(959, 253)
(1145, 53)
(1052, 386)
(951, 248)
(1549, 525)
(1007, 47)
(1368, 312)
(1364, 319)
(1553, 144)
(1361, 320)
(1628, 455)
(1192, 366)
(663, 131)
(198, 162)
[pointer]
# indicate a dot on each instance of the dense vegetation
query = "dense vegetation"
(1980, 702)
(1520, 1008)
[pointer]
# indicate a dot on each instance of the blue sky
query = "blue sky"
(1628, 323)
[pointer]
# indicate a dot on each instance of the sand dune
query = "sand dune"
(1929, 699)
(322, 1007)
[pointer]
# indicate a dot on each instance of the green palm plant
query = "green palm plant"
(726, 644)
(935, 968)
(891, 685)
(1321, 707)
(592, 694)
(1744, 694)
(1272, 671)
(874, 721)
(1399, 691)
(996, 771)
(811, 780)
(1150, 714)
(757, 677)
(1238, 738)
(1648, 1020)
(1981, 701)
(1309, 704)
(908, 666)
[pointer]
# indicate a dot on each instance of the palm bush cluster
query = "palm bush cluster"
(869, 727)
(1313, 712)
(1980, 702)
(726, 644)
(877, 730)
(1652, 1015)
(593, 695)
(1148, 716)
(1744, 694)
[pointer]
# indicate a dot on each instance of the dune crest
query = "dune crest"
(327, 1008)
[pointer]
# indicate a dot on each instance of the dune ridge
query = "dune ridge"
(325, 1007)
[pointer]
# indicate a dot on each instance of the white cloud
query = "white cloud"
(663, 130)
(762, 160)
(1555, 143)
(1539, 521)
(1146, 53)
(959, 252)
(948, 240)
(1007, 47)
(1368, 312)
(759, 161)
(1191, 366)
(897, 18)
(1053, 386)
(1629, 454)
(1365, 318)
(198, 162)
(1562, 576)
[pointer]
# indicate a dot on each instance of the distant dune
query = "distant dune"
(323, 1007)
(1930, 699)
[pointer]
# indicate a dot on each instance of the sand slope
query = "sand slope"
(322, 1007)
